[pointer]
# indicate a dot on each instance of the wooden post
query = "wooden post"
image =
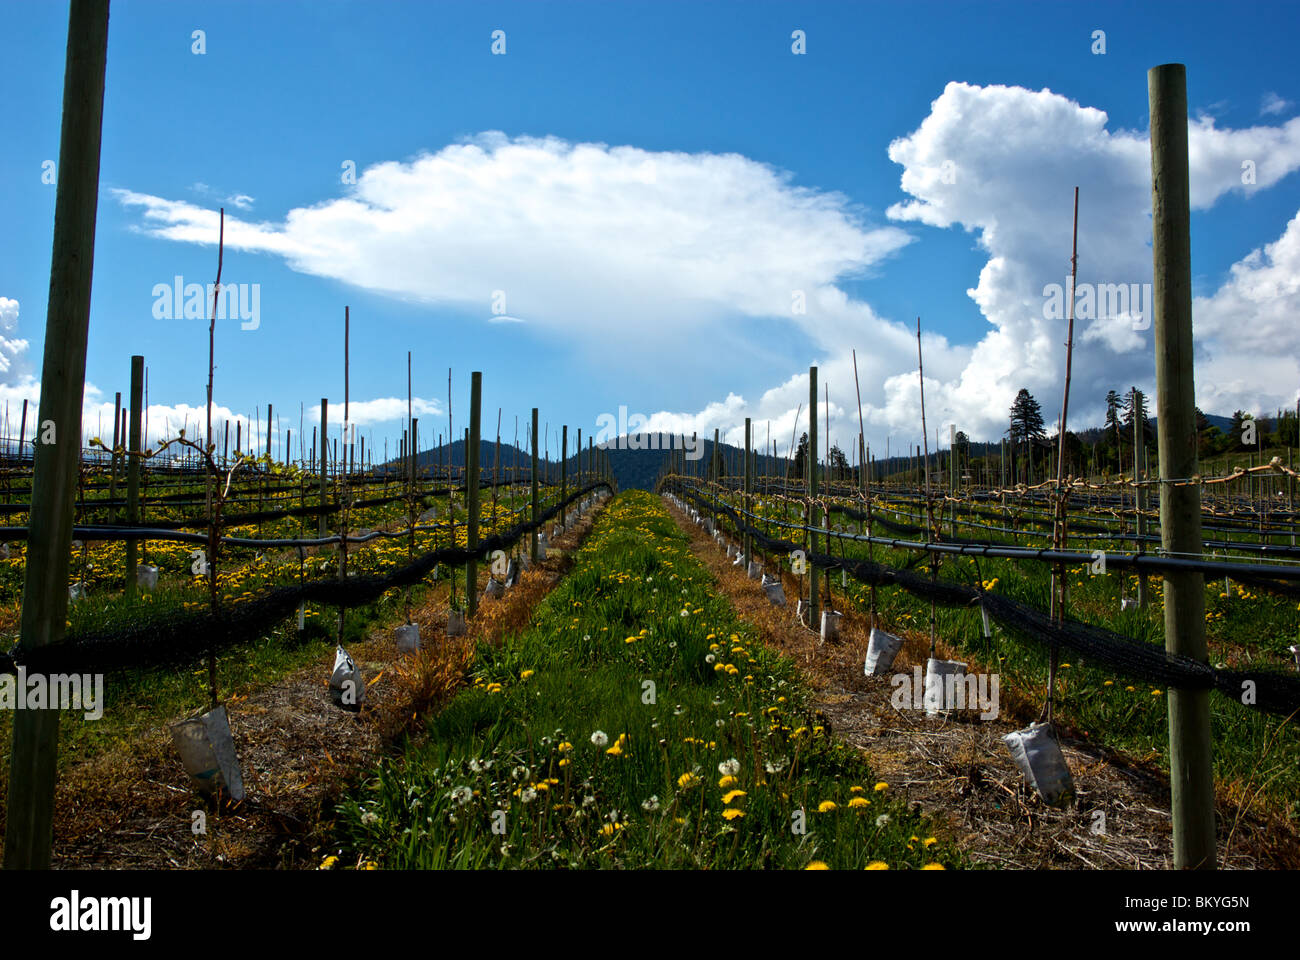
(952, 476)
(1191, 776)
(34, 756)
(749, 481)
(324, 458)
(564, 470)
(533, 450)
(133, 453)
(471, 488)
(22, 432)
(814, 613)
(1140, 494)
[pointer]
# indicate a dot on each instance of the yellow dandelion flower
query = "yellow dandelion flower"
(817, 865)
(876, 865)
(730, 797)
(826, 806)
(881, 786)
(732, 814)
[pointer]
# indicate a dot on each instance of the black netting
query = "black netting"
(184, 637)
(1273, 692)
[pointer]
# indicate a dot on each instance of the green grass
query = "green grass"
(634, 645)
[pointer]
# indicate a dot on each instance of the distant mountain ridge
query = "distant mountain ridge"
(640, 468)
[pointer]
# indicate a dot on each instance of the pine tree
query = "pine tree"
(1113, 404)
(1135, 399)
(839, 463)
(1027, 424)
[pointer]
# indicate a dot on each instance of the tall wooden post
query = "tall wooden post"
(814, 611)
(324, 459)
(1191, 776)
(134, 450)
(564, 470)
(471, 488)
(34, 755)
(1140, 492)
(22, 431)
(533, 450)
(749, 480)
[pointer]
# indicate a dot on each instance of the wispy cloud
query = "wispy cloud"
(1272, 104)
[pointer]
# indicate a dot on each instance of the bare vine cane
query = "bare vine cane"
(214, 528)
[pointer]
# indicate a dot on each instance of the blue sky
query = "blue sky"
(656, 268)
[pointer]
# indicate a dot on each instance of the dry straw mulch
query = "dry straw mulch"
(132, 807)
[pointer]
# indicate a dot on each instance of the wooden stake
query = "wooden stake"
(533, 451)
(471, 488)
(1191, 775)
(748, 540)
(133, 454)
(34, 757)
(210, 486)
(324, 448)
(1140, 494)
(814, 608)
